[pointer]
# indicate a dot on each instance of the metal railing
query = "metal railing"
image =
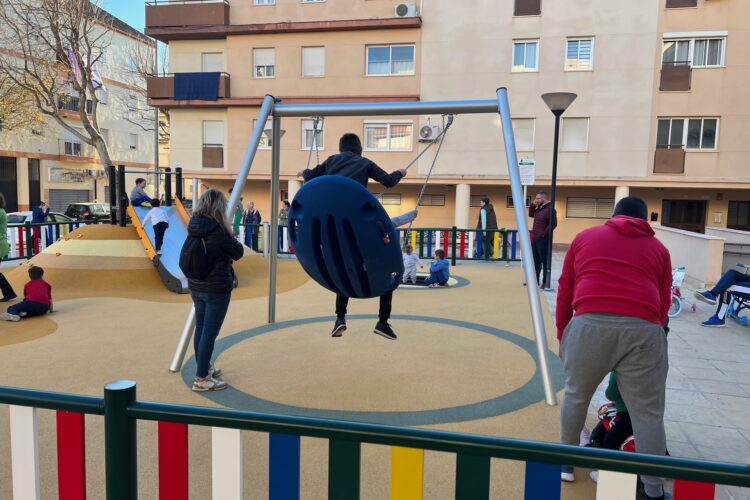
(27, 240)
(473, 453)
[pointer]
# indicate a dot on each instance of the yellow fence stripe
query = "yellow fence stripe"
(65, 229)
(414, 240)
(407, 472)
(496, 253)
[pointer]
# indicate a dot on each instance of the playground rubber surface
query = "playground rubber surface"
(121, 323)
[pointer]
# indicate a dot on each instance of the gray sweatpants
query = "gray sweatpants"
(595, 344)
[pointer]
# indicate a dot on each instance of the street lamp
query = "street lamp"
(557, 102)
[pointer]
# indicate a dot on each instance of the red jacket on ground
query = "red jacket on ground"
(618, 268)
(38, 291)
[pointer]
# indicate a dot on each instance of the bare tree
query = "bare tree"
(50, 51)
(141, 67)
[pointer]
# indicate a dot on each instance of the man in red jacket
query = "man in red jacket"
(612, 302)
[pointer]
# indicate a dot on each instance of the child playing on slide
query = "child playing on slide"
(138, 196)
(411, 261)
(160, 220)
(439, 272)
(37, 298)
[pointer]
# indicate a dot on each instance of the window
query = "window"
(106, 136)
(579, 54)
(590, 208)
(697, 133)
(132, 104)
(72, 144)
(695, 52)
(264, 63)
(101, 94)
(134, 141)
(739, 215)
(385, 60)
(432, 200)
(523, 131)
(525, 54)
(676, 4)
(313, 61)
(307, 135)
(132, 65)
(575, 134)
(509, 201)
(384, 136)
(264, 143)
(527, 8)
(313, 1)
(475, 200)
(265, 2)
(388, 198)
(213, 133)
(212, 62)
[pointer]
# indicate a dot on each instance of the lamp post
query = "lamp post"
(557, 102)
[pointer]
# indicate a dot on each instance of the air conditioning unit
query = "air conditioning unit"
(429, 133)
(406, 10)
(90, 173)
(101, 173)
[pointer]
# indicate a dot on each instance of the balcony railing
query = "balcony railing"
(674, 4)
(163, 86)
(676, 76)
(213, 156)
(177, 13)
(71, 103)
(669, 159)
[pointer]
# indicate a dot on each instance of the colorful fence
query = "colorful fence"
(27, 240)
(617, 478)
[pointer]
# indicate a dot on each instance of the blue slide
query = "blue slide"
(168, 263)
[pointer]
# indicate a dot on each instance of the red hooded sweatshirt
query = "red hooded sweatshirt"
(618, 268)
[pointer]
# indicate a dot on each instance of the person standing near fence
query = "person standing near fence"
(487, 223)
(39, 216)
(542, 212)
(5, 288)
(252, 217)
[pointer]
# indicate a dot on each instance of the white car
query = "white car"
(22, 217)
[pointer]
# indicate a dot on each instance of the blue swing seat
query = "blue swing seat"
(344, 239)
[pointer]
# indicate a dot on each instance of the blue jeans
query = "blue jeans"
(210, 311)
(729, 279)
(27, 308)
(137, 202)
(434, 279)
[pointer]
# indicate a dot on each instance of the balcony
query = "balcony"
(190, 86)
(675, 77)
(213, 156)
(183, 13)
(73, 150)
(676, 4)
(669, 159)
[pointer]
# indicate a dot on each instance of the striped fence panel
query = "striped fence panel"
(24, 453)
(71, 455)
(226, 460)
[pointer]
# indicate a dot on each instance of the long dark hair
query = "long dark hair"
(487, 205)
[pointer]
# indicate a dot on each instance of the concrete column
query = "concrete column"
(196, 190)
(22, 183)
(292, 188)
(463, 201)
(621, 192)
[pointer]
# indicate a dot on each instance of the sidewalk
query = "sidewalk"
(708, 387)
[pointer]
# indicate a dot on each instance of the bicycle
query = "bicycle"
(678, 276)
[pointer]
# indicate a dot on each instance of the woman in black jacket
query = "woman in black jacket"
(211, 295)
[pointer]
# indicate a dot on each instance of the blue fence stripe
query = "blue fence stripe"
(513, 240)
(480, 247)
(542, 481)
(429, 243)
(284, 459)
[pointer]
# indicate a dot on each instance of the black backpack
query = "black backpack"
(194, 262)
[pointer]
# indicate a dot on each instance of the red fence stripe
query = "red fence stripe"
(692, 490)
(21, 246)
(36, 230)
(71, 456)
(463, 242)
(445, 243)
(173, 461)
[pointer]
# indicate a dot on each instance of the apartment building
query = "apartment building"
(659, 113)
(50, 163)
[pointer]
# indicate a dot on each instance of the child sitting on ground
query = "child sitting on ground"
(160, 220)
(411, 261)
(439, 272)
(37, 298)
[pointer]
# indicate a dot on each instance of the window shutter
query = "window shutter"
(313, 61)
(213, 133)
(264, 57)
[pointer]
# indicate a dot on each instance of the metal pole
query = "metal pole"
(178, 184)
(120, 450)
(168, 188)
(247, 161)
(527, 260)
(552, 213)
(156, 124)
(122, 196)
(386, 108)
(273, 239)
(112, 173)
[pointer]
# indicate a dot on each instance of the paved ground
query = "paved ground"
(708, 387)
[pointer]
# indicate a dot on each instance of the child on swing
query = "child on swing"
(350, 163)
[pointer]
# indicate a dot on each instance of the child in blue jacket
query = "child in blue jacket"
(439, 272)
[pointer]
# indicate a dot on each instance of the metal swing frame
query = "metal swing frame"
(272, 107)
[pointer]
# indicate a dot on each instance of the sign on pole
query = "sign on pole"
(527, 169)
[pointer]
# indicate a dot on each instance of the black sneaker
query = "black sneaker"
(385, 330)
(338, 328)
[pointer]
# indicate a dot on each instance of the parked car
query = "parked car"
(22, 217)
(88, 211)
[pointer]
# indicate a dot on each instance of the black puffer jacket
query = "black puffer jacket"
(222, 249)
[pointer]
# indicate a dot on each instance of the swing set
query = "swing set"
(343, 237)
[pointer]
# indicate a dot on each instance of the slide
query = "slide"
(168, 263)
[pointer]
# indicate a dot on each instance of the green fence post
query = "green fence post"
(504, 235)
(420, 241)
(472, 477)
(29, 240)
(120, 452)
(343, 469)
(454, 232)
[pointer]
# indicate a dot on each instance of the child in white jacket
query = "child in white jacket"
(411, 261)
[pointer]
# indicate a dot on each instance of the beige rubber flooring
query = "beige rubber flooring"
(121, 323)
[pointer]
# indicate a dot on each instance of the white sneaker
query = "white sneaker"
(585, 437)
(594, 475)
(208, 384)
(567, 474)
(9, 317)
(214, 372)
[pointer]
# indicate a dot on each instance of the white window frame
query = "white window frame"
(390, 59)
(264, 137)
(303, 61)
(264, 2)
(578, 39)
(73, 140)
(388, 124)
(255, 66)
(321, 134)
(132, 104)
(313, 1)
(524, 41)
(203, 133)
(588, 133)
(691, 47)
(533, 133)
(686, 121)
(130, 141)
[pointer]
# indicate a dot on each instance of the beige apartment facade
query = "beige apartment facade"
(622, 60)
(51, 164)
